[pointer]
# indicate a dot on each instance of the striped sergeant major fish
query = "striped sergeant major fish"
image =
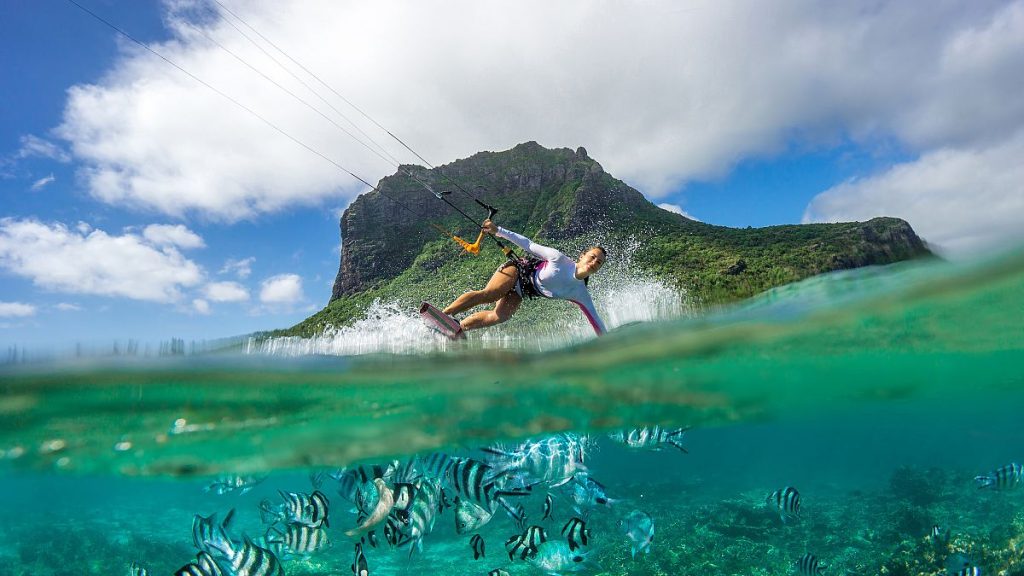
(549, 503)
(206, 529)
(370, 538)
(233, 482)
(420, 519)
(476, 481)
(970, 571)
(525, 544)
(498, 572)
(809, 565)
(576, 533)
(299, 539)
(279, 549)
(297, 508)
(318, 477)
(354, 481)
(1003, 478)
(437, 464)
(939, 537)
(787, 500)
(518, 515)
(403, 494)
(443, 502)
(553, 459)
(246, 559)
(477, 544)
(134, 569)
(204, 565)
(359, 565)
(651, 438)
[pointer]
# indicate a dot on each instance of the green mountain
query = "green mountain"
(391, 253)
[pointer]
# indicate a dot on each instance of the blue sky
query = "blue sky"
(139, 204)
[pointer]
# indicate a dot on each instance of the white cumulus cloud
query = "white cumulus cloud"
(962, 200)
(282, 289)
(90, 261)
(201, 306)
(677, 209)
(241, 268)
(172, 235)
(225, 292)
(16, 310)
(34, 146)
(659, 92)
(42, 182)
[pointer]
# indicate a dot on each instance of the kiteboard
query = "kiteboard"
(441, 322)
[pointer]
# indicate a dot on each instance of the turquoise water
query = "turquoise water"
(880, 394)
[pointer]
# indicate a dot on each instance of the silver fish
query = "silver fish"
(555, 557)
(554, 459)
(587, 493)
(639, 528)
(651, 438)
(134, 569)
(1003, 478)
(469, 517)
(498, 572)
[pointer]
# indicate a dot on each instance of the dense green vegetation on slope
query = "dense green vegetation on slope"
(565, 199)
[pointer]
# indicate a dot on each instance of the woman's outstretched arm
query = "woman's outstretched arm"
(524, 243)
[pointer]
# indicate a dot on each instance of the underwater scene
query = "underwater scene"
(869, 421)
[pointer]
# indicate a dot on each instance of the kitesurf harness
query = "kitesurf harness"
(526, 268)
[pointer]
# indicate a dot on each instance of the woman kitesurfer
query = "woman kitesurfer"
(548, 274)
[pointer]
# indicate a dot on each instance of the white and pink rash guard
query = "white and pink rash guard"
(555, 277)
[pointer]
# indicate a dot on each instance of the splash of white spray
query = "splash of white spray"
(623, 295)
(386, 328)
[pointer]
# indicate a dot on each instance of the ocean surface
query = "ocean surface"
(870, 418)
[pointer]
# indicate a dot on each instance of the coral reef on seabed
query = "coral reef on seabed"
(854, 532)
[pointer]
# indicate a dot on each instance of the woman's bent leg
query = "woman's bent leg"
(503, 310)
(501, 283)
